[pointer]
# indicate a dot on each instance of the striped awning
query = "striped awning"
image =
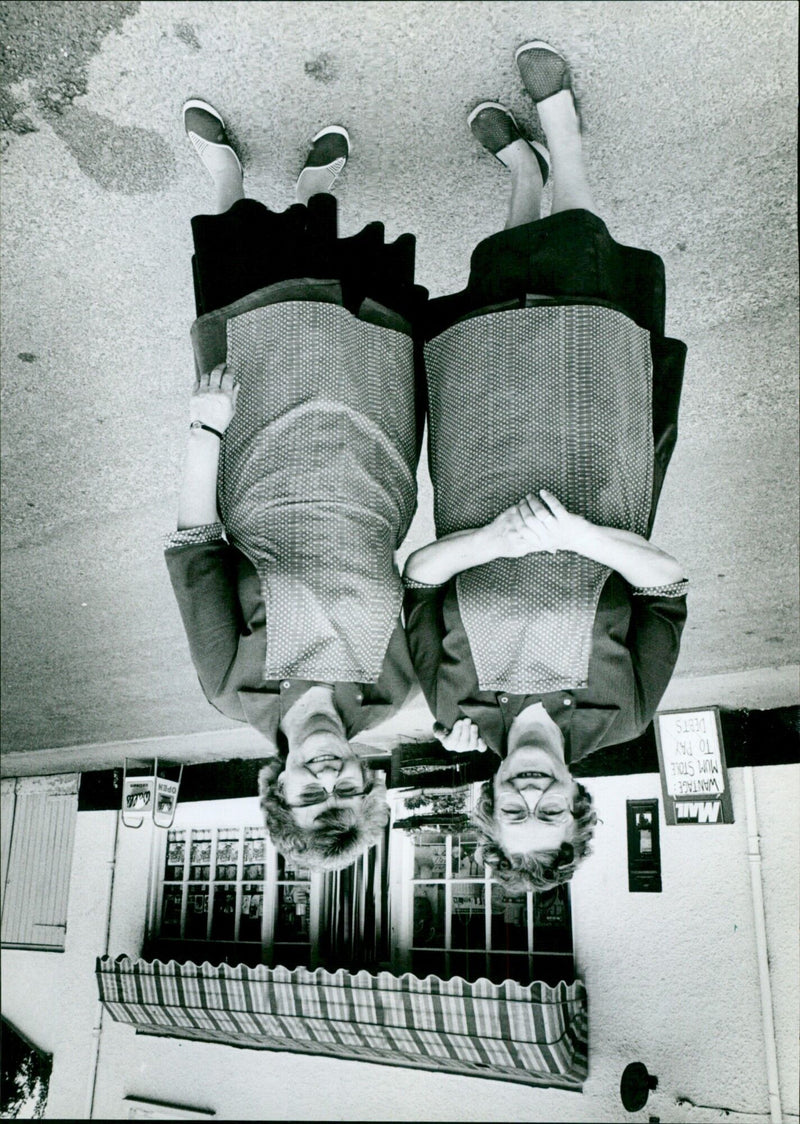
(534, 1034)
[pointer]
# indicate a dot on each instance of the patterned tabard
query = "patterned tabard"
(317, 483)
(555, 397)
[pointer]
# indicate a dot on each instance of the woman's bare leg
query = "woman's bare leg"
(228, 186)
(526, 183)
(561, 126)
(206, 132)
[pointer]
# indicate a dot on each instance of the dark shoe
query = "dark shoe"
(206, 131)
(494, 127)
(543, 70)
(330, 149)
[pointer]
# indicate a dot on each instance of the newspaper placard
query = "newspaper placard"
(691, 757)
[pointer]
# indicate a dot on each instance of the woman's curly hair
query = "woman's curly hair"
(340, 834)
(536, 870)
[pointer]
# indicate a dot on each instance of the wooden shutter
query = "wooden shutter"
(37, 860)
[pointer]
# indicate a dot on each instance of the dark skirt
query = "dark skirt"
(249, 247)
(572, 256)
(569, 255)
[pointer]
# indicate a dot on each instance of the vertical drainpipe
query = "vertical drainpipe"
(754, 855)
(97, 1029)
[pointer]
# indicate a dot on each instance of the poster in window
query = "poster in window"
(509, 920)
(430, 855)
(251, 912)
(171, 911)
(292, 920)
(223, 923)
(176, 854)
(200, 858)
(465, 862)
(197, 913)
(227, 858)
(254, 855)
(429, 916)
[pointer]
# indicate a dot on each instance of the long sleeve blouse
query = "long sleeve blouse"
(635, 644)
(220, 602)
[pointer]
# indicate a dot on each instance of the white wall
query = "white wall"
(672, 977)
(672, 982)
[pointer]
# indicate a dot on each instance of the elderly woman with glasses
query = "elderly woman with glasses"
(543, 623)
(299, 485)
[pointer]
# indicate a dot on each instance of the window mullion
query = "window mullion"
(212, 874)
(270, 901)
(401, 896)
(448, 901)
(531, 930)
(237, 916)
(187, 854)
(487, 916)
(315, 893)
(377, 891)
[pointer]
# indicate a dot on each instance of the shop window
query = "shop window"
(224, 894)
(229, 889)
(419, 901)
(454, 920)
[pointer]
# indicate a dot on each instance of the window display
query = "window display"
(462, 923)
(227, 886)
(228, 890)
(292, 918)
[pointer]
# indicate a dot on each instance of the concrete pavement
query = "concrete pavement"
(690, 129)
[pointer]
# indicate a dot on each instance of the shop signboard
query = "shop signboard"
(691, 757)
(149, 789)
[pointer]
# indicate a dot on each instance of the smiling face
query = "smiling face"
(321, 772)
(533, 791)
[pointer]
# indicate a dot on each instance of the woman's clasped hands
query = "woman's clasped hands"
(538, 525)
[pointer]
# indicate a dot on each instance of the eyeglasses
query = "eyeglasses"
(315, 794)
(550, 808)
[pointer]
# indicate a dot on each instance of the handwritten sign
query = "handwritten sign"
(692, 761)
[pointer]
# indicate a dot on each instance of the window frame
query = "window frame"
(219, 818)
(403, 892)
(237, 815)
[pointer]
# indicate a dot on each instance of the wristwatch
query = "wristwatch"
(207, 428)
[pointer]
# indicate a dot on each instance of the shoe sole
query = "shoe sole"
(198, 103)
(340, 129)
(545, 155)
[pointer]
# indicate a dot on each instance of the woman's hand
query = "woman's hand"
(518, 532)
(566, 531)
(213, 401)
(538, 525)
(463, 738)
